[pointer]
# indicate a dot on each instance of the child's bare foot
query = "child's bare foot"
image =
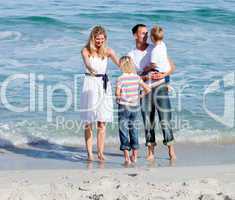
(134, 155)
(133, 159)
(127, 163)
(126, 157)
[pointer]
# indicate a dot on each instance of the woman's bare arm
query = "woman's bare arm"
(85, 57)
(113, 56)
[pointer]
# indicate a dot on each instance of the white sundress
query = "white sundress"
(95, 103)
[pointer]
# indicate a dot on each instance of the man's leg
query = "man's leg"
(163, 107)
(148, 114)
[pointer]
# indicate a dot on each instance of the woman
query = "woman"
(96, 95)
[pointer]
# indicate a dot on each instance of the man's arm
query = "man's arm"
(172, 65)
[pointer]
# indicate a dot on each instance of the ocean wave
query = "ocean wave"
(20, 134)
(207, 15)
(42, 19)
(60, 42)
(199, 15)
(10, 35)
(205, 136)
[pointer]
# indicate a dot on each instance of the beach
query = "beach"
(42, 147)
(201, 171)
(206, 183)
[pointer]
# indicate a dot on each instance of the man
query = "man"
(158, 99)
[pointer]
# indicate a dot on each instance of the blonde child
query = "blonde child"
(159, 57)
(127, 94)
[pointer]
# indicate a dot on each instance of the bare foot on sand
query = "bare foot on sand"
(150, 157)
(134, 155)
(172, 157)
(90, 157)
(126, 158)
(127, 163)
(133, 159)
(150, 153)
(101, 157)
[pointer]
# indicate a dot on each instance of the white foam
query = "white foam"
(9, 136)
(10, 35)
(63, 42)
(21, 134)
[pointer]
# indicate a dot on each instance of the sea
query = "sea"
(42, 72)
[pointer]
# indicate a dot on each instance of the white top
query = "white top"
(129, 85)
(99, 64)
(160, 58)
(140, 58)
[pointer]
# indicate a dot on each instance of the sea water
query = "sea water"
(40, 45)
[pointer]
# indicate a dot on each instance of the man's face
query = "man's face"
(141, 35)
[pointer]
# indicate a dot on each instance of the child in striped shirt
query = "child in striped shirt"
(127, 94)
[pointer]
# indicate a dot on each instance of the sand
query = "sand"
(202, 171)
(205, 183)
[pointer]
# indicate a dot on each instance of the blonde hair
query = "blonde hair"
(157, 33)
(102, 51)
(127, 65)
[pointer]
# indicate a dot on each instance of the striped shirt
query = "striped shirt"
(130, 88)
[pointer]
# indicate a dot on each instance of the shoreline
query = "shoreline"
(52, 156)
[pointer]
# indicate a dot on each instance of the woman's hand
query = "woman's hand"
(93, 72)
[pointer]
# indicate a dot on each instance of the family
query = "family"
(144, 82)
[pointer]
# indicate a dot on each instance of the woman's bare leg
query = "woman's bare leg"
(100, 139)
(171, 152)
(89, 141)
